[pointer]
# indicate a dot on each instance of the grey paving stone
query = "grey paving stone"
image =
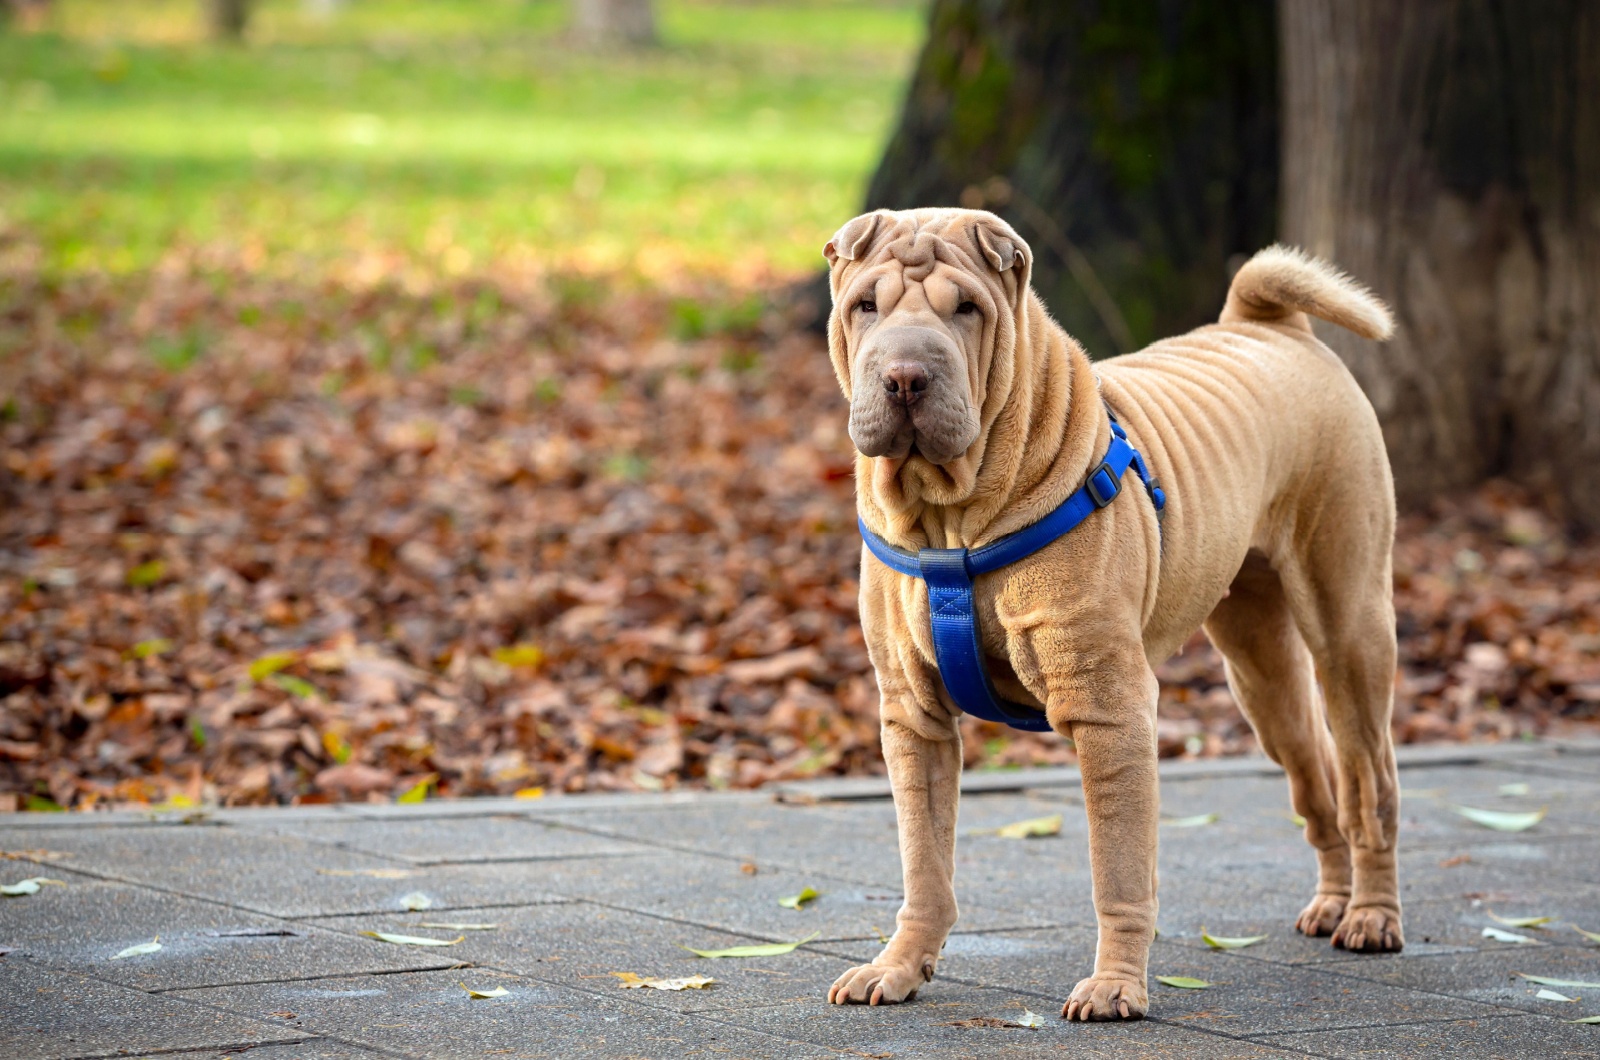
(1490, 976)
(1497, 1038)
(714, 892)
(80, 926)
(430, 841)
(315, 1049)
(924, 1028)
(1249, 996)
(428, 1014)
(580, 945)
(850, 843)
(1528, 864)
(1045, 963)
(276, 875)
(46, 1014)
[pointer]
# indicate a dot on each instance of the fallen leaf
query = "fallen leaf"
(1296, 820)
(1503, 821)
(418, 792)
(377, 874)
(1032, 828)
(28, 886)
(252, 932)
(416, 901)
(528, 793)
(1545, 980)
(1191, 822)
(1507, 936)
(145, 649)
(767, 949)
(1031, 1019)
(998, 1022)
(459, 927)
(295, 686)
(1513, 789)
(410, 940)
(1183, 982)
(1592, 936)
(267, 665)
(795, 901)
(1546, 994)
(153, 946)
(1237, 943)
(498, 991)
(630, 981)
(515, 655)
(1586, 1019)
(1520, 921)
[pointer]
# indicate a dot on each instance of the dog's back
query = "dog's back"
(1258, 417)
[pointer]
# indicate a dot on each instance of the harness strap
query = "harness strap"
(957, 643)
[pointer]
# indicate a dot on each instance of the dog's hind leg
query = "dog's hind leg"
(1271, 675)
(1338, 583)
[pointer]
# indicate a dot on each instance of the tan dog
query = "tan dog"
(975, 414)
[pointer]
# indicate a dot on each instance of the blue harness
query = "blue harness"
(957, 647)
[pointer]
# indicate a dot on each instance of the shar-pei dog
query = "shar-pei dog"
(1262, 511)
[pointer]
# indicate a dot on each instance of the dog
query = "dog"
(974, 414)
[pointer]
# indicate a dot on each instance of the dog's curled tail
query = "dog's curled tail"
(1281, 283)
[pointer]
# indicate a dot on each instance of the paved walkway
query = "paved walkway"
(259, 914)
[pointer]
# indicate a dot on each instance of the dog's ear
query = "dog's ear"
(852, 241)
(1001, 245)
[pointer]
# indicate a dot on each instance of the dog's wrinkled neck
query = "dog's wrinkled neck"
(1039, 435)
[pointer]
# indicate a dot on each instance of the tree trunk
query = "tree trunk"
(614, 23)
(229, 18)
(1447, 152)
(1134, 145)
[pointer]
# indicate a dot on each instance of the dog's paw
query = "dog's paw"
(1322, 916)
(1106, 998)
(879, 984)
(1369, 929)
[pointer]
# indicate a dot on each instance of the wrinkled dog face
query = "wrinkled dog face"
(917, 301)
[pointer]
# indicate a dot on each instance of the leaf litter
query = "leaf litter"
(31, 885)
(630, 981)
(796, 901)
(410, 940)
(1225, 943)
(631, 561)
(765, 949)
(143, 948)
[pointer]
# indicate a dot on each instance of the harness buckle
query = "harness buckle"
(1103, 485)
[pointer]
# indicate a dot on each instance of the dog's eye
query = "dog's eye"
(866, 305)
(967, 308)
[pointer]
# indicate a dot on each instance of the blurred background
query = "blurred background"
(404, 398)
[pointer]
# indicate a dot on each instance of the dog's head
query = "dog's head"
(924, 326)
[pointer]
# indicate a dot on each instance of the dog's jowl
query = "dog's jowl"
(1073, 523)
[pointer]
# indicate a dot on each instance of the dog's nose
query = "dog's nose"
(905, 381)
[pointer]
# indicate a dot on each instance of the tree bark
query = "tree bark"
(614, 23)
(1134, 145)
(229, 18)
(1447, 152)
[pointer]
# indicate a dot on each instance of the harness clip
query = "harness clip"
(1103, 485)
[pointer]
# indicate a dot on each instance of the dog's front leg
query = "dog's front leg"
(925, 772)
(1117, 757)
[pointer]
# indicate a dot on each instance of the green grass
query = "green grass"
(456, 135)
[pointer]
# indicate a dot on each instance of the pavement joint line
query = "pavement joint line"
(158, 991)
(438, 910)
(1263, 1037)
(683, 848)
(234, 1047)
